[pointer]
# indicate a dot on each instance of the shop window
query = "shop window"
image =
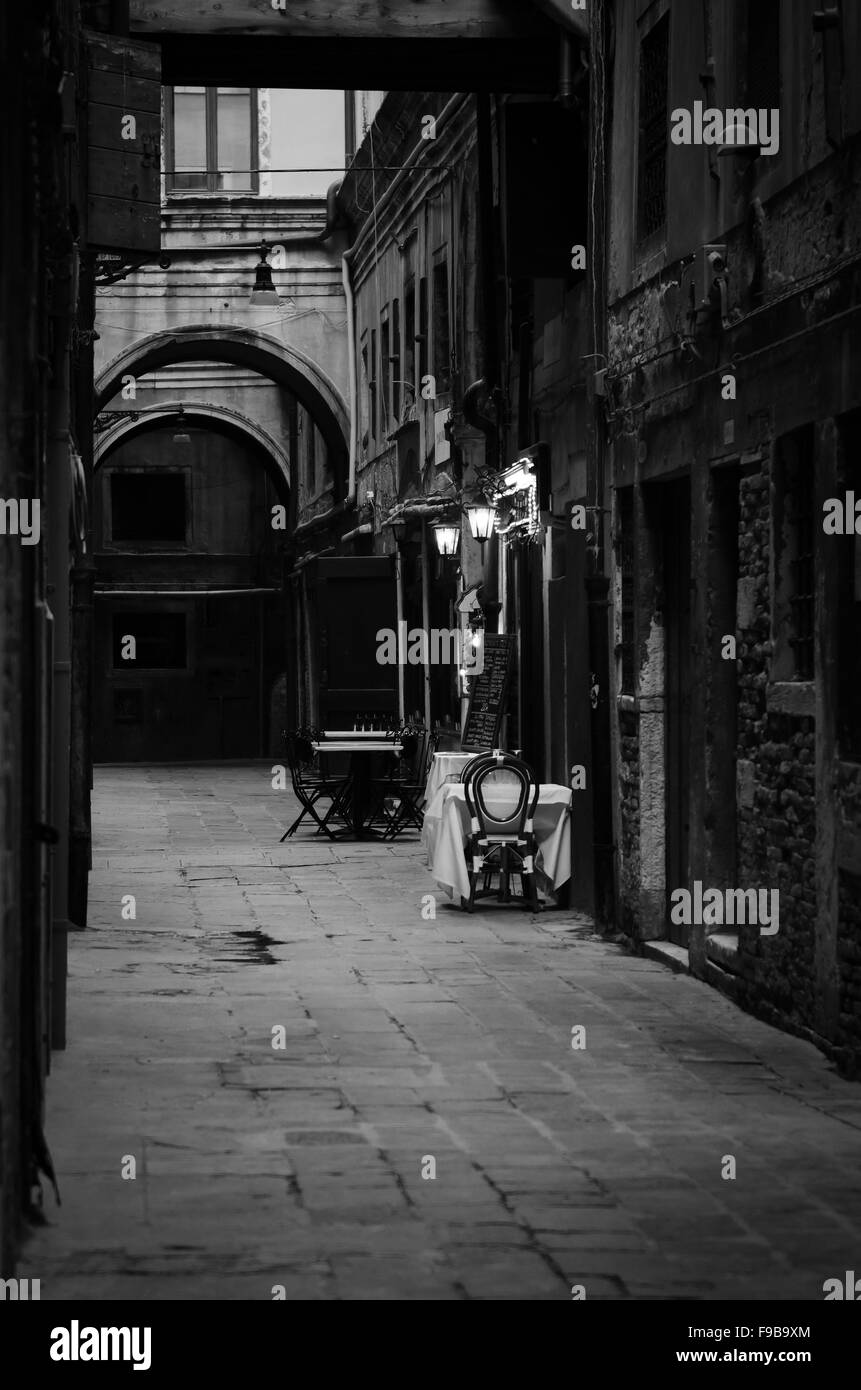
(160, 641)
(652, 145)
(148, 507)
(211, 139)
(441, 328)
(794, 524)
(625, 562)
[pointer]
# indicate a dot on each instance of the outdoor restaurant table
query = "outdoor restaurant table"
(359, 747)
(444, 766)
(446, 830)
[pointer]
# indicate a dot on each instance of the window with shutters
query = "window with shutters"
(652, 144)
(441, 327)
(211, 137)
(396, 359)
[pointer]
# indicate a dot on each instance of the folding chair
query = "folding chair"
(311, 785)
(501, 796)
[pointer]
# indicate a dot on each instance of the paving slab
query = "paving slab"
(296, 1163)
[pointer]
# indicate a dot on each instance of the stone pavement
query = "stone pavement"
(407, 1040)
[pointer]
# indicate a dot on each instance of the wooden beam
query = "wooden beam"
(575, 22)
(327, 19)
(438, 65)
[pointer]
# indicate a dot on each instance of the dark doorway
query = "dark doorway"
(675, 522)
(722, 709)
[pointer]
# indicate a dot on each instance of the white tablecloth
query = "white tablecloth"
(446, 830)
(445, 765)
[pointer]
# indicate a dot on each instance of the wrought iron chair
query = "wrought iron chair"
(404, 784)
(312, 785)
(501, 796)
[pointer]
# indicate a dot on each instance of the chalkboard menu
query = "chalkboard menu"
(488, 695)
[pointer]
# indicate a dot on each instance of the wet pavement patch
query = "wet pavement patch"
(253, 945)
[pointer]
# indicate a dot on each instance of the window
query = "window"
(211, 139)
(625, 561)
(372, 383)
(762, 57)
(159, 641)
(410, 336)
(654, 81)
(794, 531)
(148, 507)
(396, 359)
(441, 335)
(423, 328)
(385, 367)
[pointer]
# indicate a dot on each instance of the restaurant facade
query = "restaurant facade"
(467, 272)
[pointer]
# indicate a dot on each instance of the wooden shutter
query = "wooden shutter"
(124, 188)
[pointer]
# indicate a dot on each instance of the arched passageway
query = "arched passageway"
(283, 365)
(190, 626)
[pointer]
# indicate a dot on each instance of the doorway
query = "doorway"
(675, 522)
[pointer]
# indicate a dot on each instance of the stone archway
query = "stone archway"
(220, 416)
(246, 348)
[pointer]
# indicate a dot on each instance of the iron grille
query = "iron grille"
(652, 182)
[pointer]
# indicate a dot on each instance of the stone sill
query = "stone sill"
(791, 697)
(668, 953)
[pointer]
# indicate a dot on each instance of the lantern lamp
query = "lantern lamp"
(482, 519)
(447, 537)
(264, 291)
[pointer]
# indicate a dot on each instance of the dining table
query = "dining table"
(361, 746)
(447, 767)
(446, 829)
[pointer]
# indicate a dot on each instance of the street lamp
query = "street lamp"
(447, 537)
(482, 519)
(264, 291)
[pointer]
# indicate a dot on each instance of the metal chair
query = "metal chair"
(405, 783)
(311, 784)
(502, 832)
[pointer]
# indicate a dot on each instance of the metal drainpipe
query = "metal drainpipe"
(352, 368)
(58, 502)
(426, 621)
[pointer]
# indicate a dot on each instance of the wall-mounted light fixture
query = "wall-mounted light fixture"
(447, 536)
(264, 291)
(482, 517)
(181, 435)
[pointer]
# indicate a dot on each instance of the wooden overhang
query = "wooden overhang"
(386, 45)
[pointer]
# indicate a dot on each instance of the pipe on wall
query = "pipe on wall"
(352, 367)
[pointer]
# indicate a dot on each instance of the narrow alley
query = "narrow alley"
(265, 1171)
